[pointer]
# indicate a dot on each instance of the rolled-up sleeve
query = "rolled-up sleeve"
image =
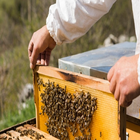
(70, 19)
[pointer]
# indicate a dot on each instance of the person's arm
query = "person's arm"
(67, 21)
(70, 19)
(40, 47)
(123, 78)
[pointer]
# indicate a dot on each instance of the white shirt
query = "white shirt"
(70, 19)
(136, 15)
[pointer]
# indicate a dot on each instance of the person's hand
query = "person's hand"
(40, 47)
(123, 78)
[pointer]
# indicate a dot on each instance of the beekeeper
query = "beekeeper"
(67, 21)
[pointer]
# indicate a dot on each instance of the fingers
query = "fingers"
(43, 58)
(128, 104)
(113, 84)
(120, 96)
(115, 87)
(30, 48)
(123, 102)
(40, 41)
(39, 59)
(110, 74)
(117, 92)
(47, 56)
(112, 79)
(33, 57)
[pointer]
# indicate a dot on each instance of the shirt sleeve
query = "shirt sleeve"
(70, 19)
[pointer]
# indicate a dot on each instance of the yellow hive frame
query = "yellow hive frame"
(109, 120)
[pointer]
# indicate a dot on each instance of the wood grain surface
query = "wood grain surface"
(14, 134)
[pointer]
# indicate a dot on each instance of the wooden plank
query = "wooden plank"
(36, 98)
(47, 136)
(22, 129)
(88, 81)
(31, 121)
(107, 122)
(133, 131)
(133, 120)
(123, 123)
(5, 136)
(16, 134)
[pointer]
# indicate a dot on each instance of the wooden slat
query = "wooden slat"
(16, 134)
(31, 121)
(47, 136)
(123, 123)
(5, 135)
(133, 120)
(22, 129)
(133, 131)
(80, 79)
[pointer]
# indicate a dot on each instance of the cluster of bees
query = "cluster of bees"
(33, 135)
(66, 112)
(5, 138)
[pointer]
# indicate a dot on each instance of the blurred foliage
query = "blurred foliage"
(18, 21)
(15, 117)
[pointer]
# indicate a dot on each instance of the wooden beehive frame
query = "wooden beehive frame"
(100, 88)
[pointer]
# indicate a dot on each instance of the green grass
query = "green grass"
(15, 74)
(12, 118)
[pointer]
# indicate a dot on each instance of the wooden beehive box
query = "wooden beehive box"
(108, 121)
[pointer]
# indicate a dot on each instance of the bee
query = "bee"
(39, 88)
(21, 134)
(53, 84)
(54, 90)
(100, 134)
(57, 86)
(8, 133)
(48, 82)
(81, 94)
(5, 137)
(17, 138)
(73, 133)
(76, 138)
(88, 130)
(44, 85)
(95, 107)
(88, 137)
(69, 96)
(65, 89)
(86, 124)
(82, 131)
